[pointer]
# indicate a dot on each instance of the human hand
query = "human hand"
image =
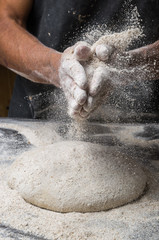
(118, 67)
(73, 79)
(100, 86)
(98, 76)
(105, 79)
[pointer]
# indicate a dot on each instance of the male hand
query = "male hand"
(99, 77)
(85, 85)
(138, 60)
(114, 69)
(73, 79)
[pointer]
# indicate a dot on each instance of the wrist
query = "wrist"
(55, 61)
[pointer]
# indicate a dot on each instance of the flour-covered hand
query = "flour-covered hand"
(73, 78)
(100, 88)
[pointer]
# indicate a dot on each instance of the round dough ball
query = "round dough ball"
(76, 176)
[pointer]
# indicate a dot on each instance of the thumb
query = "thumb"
(82, 51)
(104, 51)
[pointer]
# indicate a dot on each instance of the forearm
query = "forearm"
(148, 56)
(25, 55)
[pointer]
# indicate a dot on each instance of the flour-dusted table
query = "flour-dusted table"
(138, 220)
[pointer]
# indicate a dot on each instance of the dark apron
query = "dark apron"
(58, 24)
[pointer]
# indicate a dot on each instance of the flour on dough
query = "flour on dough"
(76, 176)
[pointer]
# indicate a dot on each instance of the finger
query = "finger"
(103, 51)
(82, 52)
(75, 70)
(67, 84)
(72, 91)
(98, 81)
(94, 105)
(79, 95)
(75, 115)
(72, 113)
(88, 105)
(98, 100)
(74, 105)
(84, 114)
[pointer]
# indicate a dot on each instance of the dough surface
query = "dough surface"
(76, 176)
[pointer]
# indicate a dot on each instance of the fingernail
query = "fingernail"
(82, 53)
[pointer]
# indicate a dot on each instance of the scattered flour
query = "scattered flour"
(57, 182)
(102, 76)
(40, 134)
(18, 214)
(19, 219)
(120, 41)
(117, 73)
(122, 77)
